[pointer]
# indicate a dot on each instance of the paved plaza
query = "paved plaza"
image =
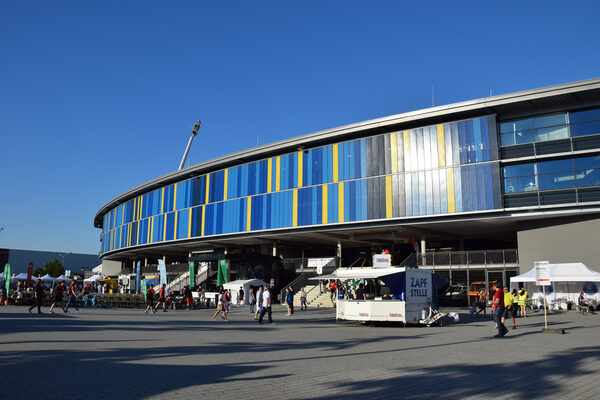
(122, 353)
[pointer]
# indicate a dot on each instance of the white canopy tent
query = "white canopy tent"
(21, 277)
(46, 278)
(63, 278)
(567, 281)
(93, 278)
(234, 286)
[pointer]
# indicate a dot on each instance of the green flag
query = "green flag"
(7, 277)
(222, 272)
(192, 274)
(144, 288)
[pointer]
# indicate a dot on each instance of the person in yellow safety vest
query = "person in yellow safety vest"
(523, 302)
(509, 307)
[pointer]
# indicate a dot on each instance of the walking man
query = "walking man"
(59, 292)
(39, 296)
(259, 301)
(162, 298)
(509, 307)
(266, 306)
(499, 310)
(150, 300)
(72, 297)
(303, 305)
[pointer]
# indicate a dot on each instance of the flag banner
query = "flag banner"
(162, 269)
(29, 275)
(144, 288)
(7, 278)
(222, 272)
(192, 274)
(138, 276)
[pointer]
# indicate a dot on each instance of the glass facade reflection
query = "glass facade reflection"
(550, 175)
(550, 127)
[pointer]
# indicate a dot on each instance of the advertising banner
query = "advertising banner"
(7, 277)
(162, 269)
(192, 274)
(29, 275)
(418, 286)
(382, 261)
(144, 288)
(138, 276)
(222, 272)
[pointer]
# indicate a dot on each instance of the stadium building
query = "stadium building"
(479, 189)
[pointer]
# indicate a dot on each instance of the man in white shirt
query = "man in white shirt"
(266, 306)
(303, 300)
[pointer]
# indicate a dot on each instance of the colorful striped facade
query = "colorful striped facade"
(433, 170)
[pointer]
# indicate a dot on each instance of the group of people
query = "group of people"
(155, 300)
(508, 305)
(58, 295)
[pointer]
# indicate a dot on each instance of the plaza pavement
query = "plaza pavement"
(126, 354)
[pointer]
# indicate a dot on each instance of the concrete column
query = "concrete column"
(145, 261)
(274, 249)
(338, 252)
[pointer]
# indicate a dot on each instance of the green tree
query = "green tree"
(38, 272)
(54, 268)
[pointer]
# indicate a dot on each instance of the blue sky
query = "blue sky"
(97, 97)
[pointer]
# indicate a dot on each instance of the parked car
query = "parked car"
(455, 296)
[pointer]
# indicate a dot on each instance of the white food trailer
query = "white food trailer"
(413, 285)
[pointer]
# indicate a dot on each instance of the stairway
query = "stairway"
(314, 298)
(184, 279)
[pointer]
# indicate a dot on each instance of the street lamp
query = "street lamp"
(62, 257)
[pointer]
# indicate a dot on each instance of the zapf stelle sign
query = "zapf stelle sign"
(382, 261)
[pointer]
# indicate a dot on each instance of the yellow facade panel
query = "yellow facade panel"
(277, 173)
(300, 154)
(450, 189)
(249, 214)
(295, 208)
(335, 163)
(441, 146)
(394, 152)
(389, 210)
(325, 208)
(407, 154)
(225, 183)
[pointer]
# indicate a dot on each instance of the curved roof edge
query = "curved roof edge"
(485, 104)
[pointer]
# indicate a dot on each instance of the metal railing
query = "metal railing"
(477, 258)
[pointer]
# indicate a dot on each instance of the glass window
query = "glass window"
(507, 139)
(554, 166)
(550, 120)
(557, 180)
(517, 125)
(587, 162)
(589, 177)
(587, 115)
(553, 133)
(524, 136)
(519, 170)
(588, 128)
(520, 184)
